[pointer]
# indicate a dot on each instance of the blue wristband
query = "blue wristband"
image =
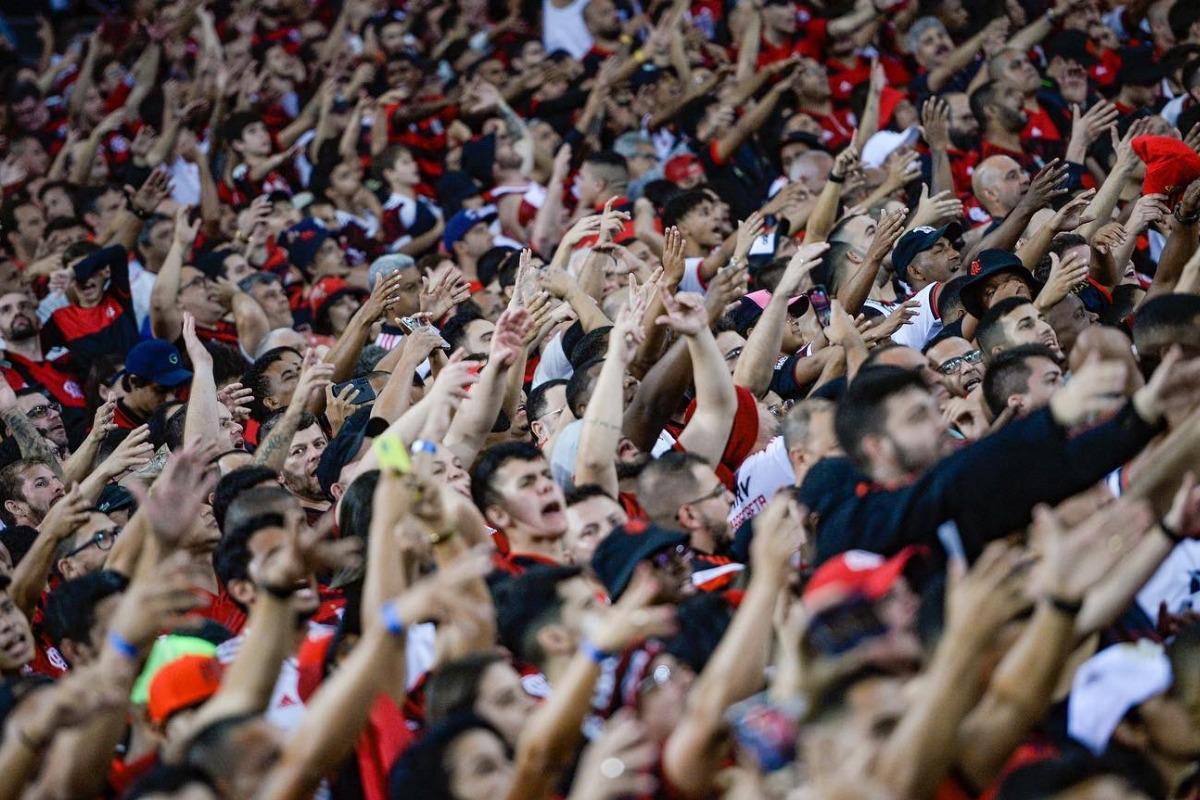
(391, 619)
(590, 650)
(424, 446)
(122, 645)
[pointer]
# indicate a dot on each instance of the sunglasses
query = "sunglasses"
(42, 411)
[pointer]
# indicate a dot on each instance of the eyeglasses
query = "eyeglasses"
(201, 281)
(734, 354)
(103, 540)
(953, 365)
(663, 558)
(781, 409)
(718, 491)
(40, 411)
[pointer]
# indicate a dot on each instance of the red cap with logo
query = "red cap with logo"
(1171, 166)
(860, 572)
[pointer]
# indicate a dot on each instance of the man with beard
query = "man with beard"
(680, 491)
(27, 365)
(27, 490)
(894, 433)
(964, 141)
(1001, 114)
(1046, 125)
(299, 473)
(45, 415)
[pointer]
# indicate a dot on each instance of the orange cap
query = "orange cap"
(183, 683)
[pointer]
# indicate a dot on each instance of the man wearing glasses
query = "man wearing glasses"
(46, 416)
(681, 492)
(86, 550)
(960, 365)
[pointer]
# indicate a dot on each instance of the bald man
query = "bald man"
(999, 183)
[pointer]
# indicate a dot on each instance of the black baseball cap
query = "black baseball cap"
(343, 448)
(917, 241)
(618, 555)
(986, 264)
(115, 498)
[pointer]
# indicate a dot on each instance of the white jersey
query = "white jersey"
(757, 480)
(692, 282)
(926, 324)
(564, 28)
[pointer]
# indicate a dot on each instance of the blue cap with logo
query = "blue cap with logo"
(157, 361)
(463, 221)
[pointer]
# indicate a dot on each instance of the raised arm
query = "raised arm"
(314, 377)
(477, 417)
(757, 364)
(203, 420)
(694, 751)
(964, 54)
(166, 320)
(601, 433)
(716, 399)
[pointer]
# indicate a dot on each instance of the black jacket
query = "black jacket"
(988, 488)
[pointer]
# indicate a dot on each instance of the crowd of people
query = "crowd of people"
(596, 399)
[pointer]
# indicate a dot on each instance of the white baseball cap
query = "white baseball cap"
(884, 143)
(1109, 684)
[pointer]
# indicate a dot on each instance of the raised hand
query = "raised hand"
(779, 533)
(900, 316)
(197, 353)
(748, 230)
(991, 594)
(1095, 388)
(1149, 209)
(160, 601)
(1086, 127)
(633, 618)
(938, 210)
(339, 407)
(156, 188)
(1076, 560)
(66, 516)
(672, 256)
(685, 313)
(1065, 275)
(803, 261)
(887, 233)
(508, 340)
(628, 333)
(442, 291)
(134, 451)
(1075, 213)
(173, 504)
(185, 230)
(935, 124)
(1110, 237)
(1046, 186)
(237, 399)
(303, 552)
(315, 375)
(619, 763)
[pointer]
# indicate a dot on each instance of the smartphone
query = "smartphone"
(843, 627)
(392, 453)
(819, 299)
(412, 323)
(366, 394)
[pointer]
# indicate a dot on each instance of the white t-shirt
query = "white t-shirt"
(925, 325)
(564, 29)
(691, 276)
(757, 480)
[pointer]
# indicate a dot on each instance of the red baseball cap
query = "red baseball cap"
(860, 572)
(889, 98)
(328, 289)
(183, 683)
(1171, 166)
(683, 166)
